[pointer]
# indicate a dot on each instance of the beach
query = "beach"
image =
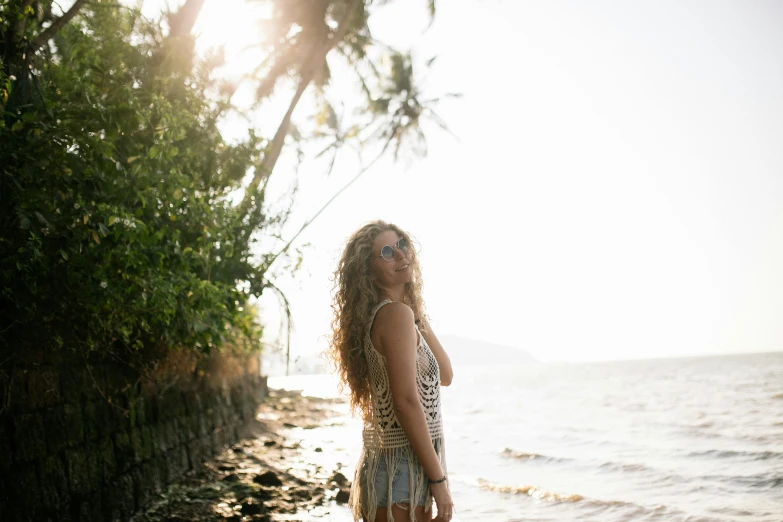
(276, 471)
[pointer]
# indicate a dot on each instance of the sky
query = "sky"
(613, 190)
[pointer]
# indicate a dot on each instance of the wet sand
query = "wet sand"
(277, 471)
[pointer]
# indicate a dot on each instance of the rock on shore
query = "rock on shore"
(264, 477)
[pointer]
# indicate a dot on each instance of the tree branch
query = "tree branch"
(50, 31)
(351, 182)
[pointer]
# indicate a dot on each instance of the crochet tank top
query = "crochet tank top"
(383, 436)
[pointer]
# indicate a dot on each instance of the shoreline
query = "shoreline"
(278, 470)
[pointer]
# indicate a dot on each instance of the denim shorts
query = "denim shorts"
(400, 484)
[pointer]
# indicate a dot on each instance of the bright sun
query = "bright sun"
(235, 25)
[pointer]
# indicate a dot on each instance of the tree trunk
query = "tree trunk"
(10, 47)
(306, 76)
(184, 19)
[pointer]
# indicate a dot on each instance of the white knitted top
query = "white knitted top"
(383, 436)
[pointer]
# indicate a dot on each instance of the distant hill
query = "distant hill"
(462, 350)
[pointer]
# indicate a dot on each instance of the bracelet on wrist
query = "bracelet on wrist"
(439, 480)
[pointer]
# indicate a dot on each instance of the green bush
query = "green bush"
(116, 217)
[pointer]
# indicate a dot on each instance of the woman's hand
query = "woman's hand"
(443, 500)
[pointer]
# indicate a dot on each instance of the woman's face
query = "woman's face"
(394, 272)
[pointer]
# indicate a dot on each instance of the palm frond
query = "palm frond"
(288, 321)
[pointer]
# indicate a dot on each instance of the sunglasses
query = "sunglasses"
(387, 252)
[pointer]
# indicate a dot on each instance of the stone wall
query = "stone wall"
(92, 442)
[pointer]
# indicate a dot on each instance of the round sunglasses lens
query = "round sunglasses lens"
(402, 244)
(387, 253)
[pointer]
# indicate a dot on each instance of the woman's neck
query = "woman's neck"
(395, 294)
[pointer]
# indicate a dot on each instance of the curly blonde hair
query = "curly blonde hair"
(355, 295)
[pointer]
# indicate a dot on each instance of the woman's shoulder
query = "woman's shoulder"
(394, 319)
(395, 314)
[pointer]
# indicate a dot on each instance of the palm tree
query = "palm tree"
(303, 34)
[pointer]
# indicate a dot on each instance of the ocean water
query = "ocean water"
(674, 440)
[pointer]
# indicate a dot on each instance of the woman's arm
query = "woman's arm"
(399, 342)
(446, 373)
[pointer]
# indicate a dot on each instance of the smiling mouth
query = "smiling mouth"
(401, 268)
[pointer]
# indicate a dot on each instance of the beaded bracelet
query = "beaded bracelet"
(438, 481)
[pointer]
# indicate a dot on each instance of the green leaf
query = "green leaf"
(154, 151)
(18, 126)
(113, 220)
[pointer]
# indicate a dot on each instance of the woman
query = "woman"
(393, 365)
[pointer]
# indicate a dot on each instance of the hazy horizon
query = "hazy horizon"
(312, 364)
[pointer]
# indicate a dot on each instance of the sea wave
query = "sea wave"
(753, 455)
(531, 490)
(758, 481)
(519, 455)
(626, 467)
(590, 503)
(608, 465)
